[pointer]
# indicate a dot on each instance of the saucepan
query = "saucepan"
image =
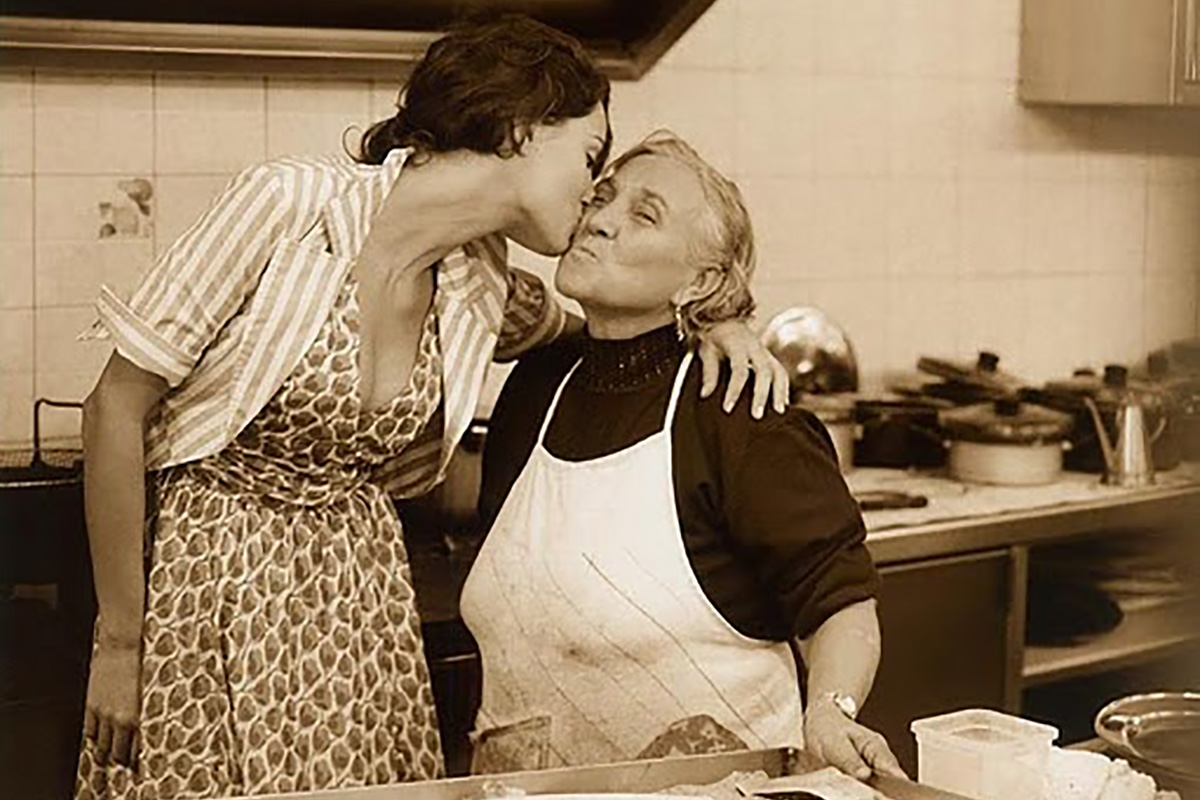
(1006, 443)
(1159, 733)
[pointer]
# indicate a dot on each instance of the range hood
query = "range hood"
(343, 38)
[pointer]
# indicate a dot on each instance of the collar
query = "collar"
(617, 366)
(349, 215)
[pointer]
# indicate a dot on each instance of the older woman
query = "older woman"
(650, 560)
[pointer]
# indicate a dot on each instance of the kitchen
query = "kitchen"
(1056, 236)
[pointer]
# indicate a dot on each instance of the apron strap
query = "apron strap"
(680, 376)
(554, 403)
(675, 391)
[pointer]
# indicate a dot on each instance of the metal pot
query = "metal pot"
(816, 353)
(1157, 733)
(898, 434)
(836, 412)
(1006, 443)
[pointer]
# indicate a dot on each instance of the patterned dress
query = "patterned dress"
(281, 648)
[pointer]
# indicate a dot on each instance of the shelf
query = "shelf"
(1145, 634)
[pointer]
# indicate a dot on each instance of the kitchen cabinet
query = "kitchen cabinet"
(1110, 52)
(948, 628)
(349, 38)
(955, 595)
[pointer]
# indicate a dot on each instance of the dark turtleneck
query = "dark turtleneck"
(616, 366)
(770, 529)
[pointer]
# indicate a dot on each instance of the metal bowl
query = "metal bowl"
(1159, 733)
(816, 353)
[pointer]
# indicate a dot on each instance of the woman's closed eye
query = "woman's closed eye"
(601, 196)
(646, 215)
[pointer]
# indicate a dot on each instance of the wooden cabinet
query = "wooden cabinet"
(947, 626)
(1111, 52)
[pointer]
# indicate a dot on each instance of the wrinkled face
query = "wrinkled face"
(635, 246)
(555, 175)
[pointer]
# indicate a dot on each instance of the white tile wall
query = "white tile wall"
(93, 124)
(16, 400)
(16, 122)
(16, 242)
(312, 116)
(66, 368)
(194, 113)
(927, 39)
(922, 239)
(892, 176)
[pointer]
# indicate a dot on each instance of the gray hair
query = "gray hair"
(729, 245)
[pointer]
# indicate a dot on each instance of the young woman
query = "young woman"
(314, 343)
(652, 560)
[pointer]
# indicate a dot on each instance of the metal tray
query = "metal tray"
(630, 777)
(1159, 733)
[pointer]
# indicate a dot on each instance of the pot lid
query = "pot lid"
(1006, 421)
(982, 373)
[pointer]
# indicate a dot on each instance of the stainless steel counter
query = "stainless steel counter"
(962, 518)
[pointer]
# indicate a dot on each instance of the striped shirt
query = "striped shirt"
(229, 310)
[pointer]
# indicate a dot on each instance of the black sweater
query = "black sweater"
(769, 526)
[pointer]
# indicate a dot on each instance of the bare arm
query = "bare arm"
(114, 417)
(842, 656)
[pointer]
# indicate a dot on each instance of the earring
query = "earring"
(679, 323)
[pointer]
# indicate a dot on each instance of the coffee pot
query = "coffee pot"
(1127, 457)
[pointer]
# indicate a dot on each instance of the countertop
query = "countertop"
(966, 517)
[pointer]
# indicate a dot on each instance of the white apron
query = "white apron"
(587, 611)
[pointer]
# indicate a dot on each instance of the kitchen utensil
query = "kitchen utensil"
(1127, 460)
(1006, 442)
(880, 499)
(814, 350)
(1108, 393)
(1158, 732)
(898, 434)
(836, 412)
(983, 754)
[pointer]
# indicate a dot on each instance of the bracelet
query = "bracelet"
(843, 702)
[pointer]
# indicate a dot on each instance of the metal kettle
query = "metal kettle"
(1127, 460)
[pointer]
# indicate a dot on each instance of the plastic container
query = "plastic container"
(983, 754)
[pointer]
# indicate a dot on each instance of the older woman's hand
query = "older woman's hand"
(855, 749)
(733, 340)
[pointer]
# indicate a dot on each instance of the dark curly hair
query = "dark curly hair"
(479, 87)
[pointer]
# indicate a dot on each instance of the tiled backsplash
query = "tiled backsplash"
(892, 176)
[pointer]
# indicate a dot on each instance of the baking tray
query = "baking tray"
(1159, 733)
(628, 777)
